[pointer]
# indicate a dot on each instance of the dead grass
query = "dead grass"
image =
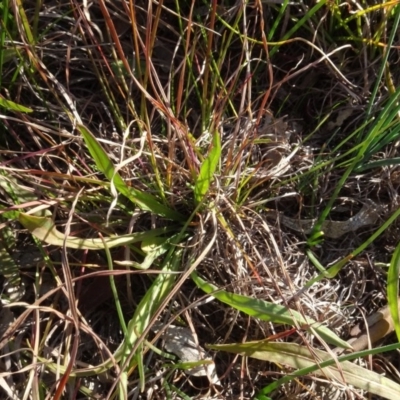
(293, 92)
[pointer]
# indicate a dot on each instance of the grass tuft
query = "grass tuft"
(225, 169)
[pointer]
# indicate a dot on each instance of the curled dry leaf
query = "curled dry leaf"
(368, 215)
(180, 341)
(380, 324)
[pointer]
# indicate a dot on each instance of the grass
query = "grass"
(152, 154)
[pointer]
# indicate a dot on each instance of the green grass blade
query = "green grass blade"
(207, 169)
(4, 7)
(386, 54)
(10, 105)
(267, 311)
(332, 271)
(153, 298)
(278, 20)
(302, 21)
(393, 289)
(114, 289)
(145, 201)
(25, 22)
(386, 162)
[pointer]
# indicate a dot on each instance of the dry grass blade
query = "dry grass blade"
(141, 142)
(300, 358)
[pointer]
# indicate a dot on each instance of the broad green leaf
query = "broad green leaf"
(44, 229)
(207, 170)
(269, 311)
(145, 201)
(10, 105)
(393, 289)
(319, 362)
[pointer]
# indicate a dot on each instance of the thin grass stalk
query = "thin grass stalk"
(208, 101)
(381, 71)
(332, 271)
(3, 36)
(114, 289)
(393, 289)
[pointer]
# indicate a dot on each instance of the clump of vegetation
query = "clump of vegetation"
(199, 200)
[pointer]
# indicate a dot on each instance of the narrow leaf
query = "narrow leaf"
(44, 229)
(145, 201)
(153, 249)
(318, 362)
(10, 105)
(393, 289)
(145, 310)
(207, 170)
(268, 311)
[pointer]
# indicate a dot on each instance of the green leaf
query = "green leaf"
(379, 164)
(44, 229)
(336, 268)
(319, 362)
(10, 105)
(269, 311)
(393, 289)
(207, 170)
(149, 304)
(145, 201)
